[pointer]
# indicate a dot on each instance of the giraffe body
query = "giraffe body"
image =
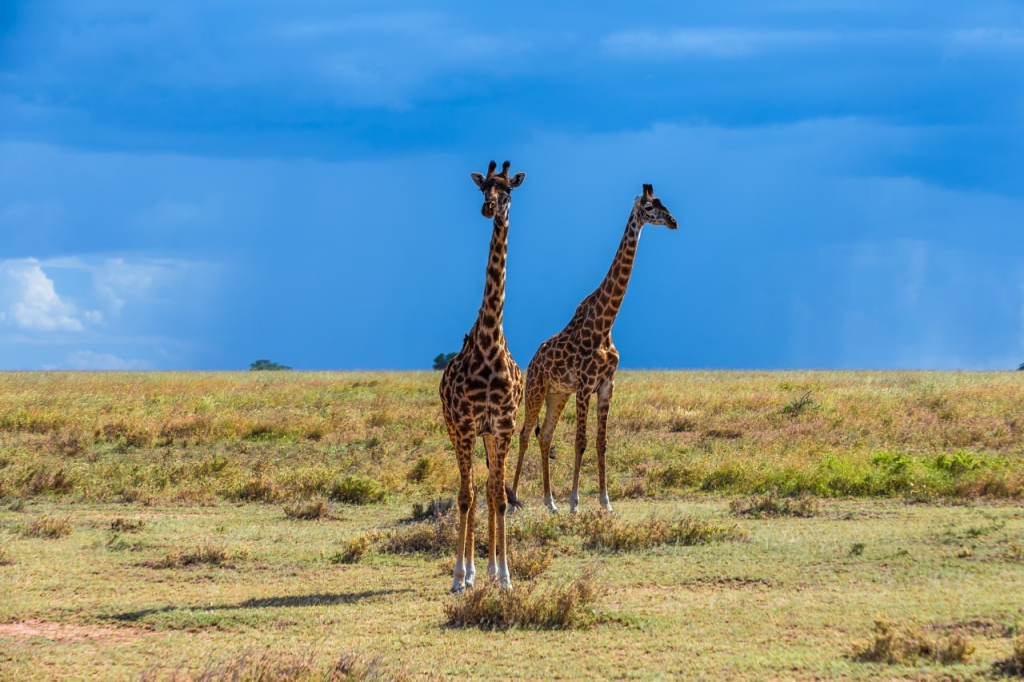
(581, 361)
(480, 393)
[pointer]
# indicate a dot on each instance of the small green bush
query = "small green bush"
(357, 490)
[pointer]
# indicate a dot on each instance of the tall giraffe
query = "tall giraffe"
(581, 359)
(480, 392)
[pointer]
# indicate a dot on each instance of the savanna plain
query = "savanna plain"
(298, 526)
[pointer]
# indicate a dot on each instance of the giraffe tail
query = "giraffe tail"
(513, 501)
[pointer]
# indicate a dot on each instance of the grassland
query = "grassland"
(175, 525)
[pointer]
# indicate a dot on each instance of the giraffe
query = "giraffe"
(581, 359)
(480, 392)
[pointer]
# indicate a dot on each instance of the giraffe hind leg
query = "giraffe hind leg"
(534, 399)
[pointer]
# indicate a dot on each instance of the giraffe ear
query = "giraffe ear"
(516, 180)
(478, 179)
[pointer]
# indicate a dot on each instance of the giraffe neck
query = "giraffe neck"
(607, 298)
(488, 323)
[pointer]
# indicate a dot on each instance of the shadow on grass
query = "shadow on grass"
(323, 599)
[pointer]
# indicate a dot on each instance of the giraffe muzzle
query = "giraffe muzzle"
(488, 209)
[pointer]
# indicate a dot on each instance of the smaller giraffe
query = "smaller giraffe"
(581, 359)
(480, 392)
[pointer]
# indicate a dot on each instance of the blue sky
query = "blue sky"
(198, 184)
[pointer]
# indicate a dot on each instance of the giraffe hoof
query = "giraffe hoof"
(458, 589)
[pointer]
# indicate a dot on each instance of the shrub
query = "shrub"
(357, 490)
(770, 504)
(426, 538)
(960, 462)
(562, 606)
(307, 511)
(798, 405)
(423, 467)
(48, 527)
(527, 564)
(906, 646)
(46, 478)
(254, 489)
(433, 510)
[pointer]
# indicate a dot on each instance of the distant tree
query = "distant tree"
(442, 360)
(1021, 368)
(268, 366)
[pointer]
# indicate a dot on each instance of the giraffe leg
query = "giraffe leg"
(492, 563)
(582, 406)
(604, 399)
(555, 403)
(496, 487)
(463, 570)
(534, 399)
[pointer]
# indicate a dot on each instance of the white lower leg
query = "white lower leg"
(504, 577)
(549, 500)
(459, 577)
(605, 502)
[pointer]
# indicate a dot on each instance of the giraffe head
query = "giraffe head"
(497, 189)
(650, 209)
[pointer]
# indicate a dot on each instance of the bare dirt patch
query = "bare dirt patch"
(67, 632)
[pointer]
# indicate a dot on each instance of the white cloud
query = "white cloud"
(989, 38)
(91, 360)
(707, 42)
(31, 302)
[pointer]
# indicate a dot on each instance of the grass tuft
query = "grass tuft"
(1013, 666)
(48, 527)
(561, 606)
(5, 557)
(354, 549)
(904, 645)
(771, 505)
(123, 525)
(605, 532)
(209, 554)
(307, 511)
(272, 666)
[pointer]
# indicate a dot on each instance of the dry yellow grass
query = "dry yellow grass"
(358, 437)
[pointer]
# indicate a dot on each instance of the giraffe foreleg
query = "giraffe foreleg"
(492, 563)
(604, 399)
(582, 407)
(496, 487)
(464, 571)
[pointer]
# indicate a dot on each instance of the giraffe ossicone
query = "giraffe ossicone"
(480, 393)
(581, 360)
